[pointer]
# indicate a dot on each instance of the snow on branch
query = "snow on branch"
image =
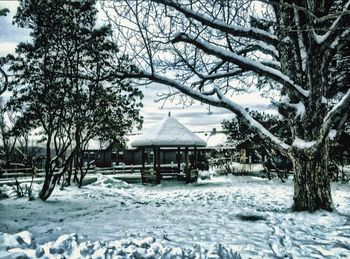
(342, 106)
(255, 125)
(299, 108)
(220, 101)
(265, 48)
(271, 63)
(320, 39)
(218, 75)
(302, 144)
(243, 62)
(234, 30)
(302, 48)
(335, 43)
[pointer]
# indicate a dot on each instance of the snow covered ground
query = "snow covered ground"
(223, 217)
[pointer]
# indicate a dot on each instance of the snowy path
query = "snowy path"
(248, 215)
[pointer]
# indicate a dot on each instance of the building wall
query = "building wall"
(134, 157)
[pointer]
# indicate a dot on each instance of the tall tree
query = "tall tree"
(208, 49)
(65, 84)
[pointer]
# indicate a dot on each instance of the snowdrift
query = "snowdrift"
(23, 245)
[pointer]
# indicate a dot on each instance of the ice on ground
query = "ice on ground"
(239, 216)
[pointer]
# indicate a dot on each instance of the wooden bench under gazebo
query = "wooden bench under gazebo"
(169, 133)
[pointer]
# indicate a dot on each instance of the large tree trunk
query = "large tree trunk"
(47, 190)
(312, 190)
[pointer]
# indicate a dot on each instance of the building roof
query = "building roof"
(168, 133)
(214, 140)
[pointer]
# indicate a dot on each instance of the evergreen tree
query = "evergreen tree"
(240, 134)
(65, 84)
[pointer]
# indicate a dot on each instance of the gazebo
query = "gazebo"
(169, 133)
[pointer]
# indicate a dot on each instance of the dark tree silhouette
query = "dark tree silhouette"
(65, 84)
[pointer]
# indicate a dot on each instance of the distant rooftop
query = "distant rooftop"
(168, 133)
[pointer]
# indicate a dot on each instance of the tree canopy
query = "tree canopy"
(65, 84)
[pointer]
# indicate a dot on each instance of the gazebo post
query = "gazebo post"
(159, 178)
(143, 163)
(187, 170)
(178, 159)
(143, 159)
(155, 159)
(195, 154)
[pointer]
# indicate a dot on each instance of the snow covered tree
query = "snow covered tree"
(65, 84)
(208, 50)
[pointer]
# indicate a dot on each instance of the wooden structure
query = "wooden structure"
(169, 133)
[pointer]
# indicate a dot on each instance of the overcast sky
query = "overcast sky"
(195, 117)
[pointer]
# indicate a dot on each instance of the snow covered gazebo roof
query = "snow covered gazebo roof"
(168, 133)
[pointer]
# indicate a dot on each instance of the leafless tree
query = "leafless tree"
(206, 49)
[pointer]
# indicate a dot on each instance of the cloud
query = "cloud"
(7, 48)
(11, 5)
(10, 35)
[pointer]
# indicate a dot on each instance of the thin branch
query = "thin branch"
(244, 63)
(236, 31)
(218, 75)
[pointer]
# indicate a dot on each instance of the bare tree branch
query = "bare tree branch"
(221, 101)
(236, 31)
(342, 107)
(244, 63)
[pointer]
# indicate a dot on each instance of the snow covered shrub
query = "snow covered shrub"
(22, 245)
(23, 190)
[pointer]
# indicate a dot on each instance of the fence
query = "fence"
(118, 169)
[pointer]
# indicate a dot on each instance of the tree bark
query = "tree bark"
(70, 171)
(312, 190)
(48, 170)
